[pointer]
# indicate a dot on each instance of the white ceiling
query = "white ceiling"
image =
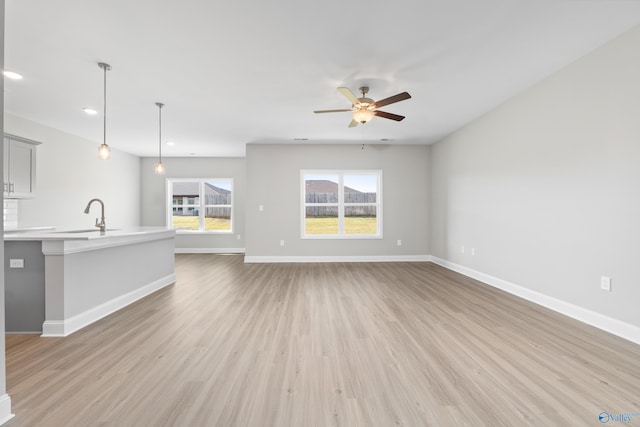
(237, 72)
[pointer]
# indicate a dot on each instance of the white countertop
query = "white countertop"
(79, 233)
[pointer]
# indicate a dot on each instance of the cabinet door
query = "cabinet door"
(19, 167)
(21, 171)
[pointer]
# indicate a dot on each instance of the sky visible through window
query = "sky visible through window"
(225, 184)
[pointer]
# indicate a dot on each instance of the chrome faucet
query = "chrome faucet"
(100, 224)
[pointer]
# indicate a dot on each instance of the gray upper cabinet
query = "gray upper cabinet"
(19, 167)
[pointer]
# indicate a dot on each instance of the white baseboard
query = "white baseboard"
(62, 328)
(5, 409)
(600, 321)
(209, 250)
(22, 332)
(372, 258)
(53, 328)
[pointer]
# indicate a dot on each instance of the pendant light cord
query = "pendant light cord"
(160, 133)
(160, 105)
(104, 67)
(104, 109)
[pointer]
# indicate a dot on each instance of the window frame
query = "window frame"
(341, 204)
(201, 206)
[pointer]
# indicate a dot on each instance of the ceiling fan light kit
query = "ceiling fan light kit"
(363, 109)
(362, 115)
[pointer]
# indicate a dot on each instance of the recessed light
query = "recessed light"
(90, 111)
(12, 75)
(171, 143)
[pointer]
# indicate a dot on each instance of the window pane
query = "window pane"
(360, 188)
(184, 195)
(360, 220)
(217, 192)
(321, 220)
(321, 188)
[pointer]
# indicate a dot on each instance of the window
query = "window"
(204, 205)
(341, 204)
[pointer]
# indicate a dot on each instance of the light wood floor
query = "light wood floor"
(391, 344)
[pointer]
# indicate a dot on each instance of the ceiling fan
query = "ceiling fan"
(364, 108)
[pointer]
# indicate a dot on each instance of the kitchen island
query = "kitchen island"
(87, 274)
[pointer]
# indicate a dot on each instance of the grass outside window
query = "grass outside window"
(210, 224)
(329, 225)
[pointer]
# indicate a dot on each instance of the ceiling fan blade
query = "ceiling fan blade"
(390, 100)
(350, 96)
(353, 123)
(391, 116)
(342, 110)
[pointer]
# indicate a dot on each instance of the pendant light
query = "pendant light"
(159, 169)
(104, 152)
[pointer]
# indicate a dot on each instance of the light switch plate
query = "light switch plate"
(16, 263)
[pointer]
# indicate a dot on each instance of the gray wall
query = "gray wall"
(273, 180)
(546, 187)
(69, 174)
(24, 287)
(154, 198)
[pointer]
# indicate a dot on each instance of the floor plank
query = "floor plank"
(339, 344)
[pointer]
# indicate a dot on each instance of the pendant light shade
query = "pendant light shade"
(104, 152)
(159, 169)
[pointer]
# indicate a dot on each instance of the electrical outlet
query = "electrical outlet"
(238, 237)
(16, 263)
(473, 251)
(399, 242)
(605, 283)
(461, 249)
(261, 208)
(281, 242)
